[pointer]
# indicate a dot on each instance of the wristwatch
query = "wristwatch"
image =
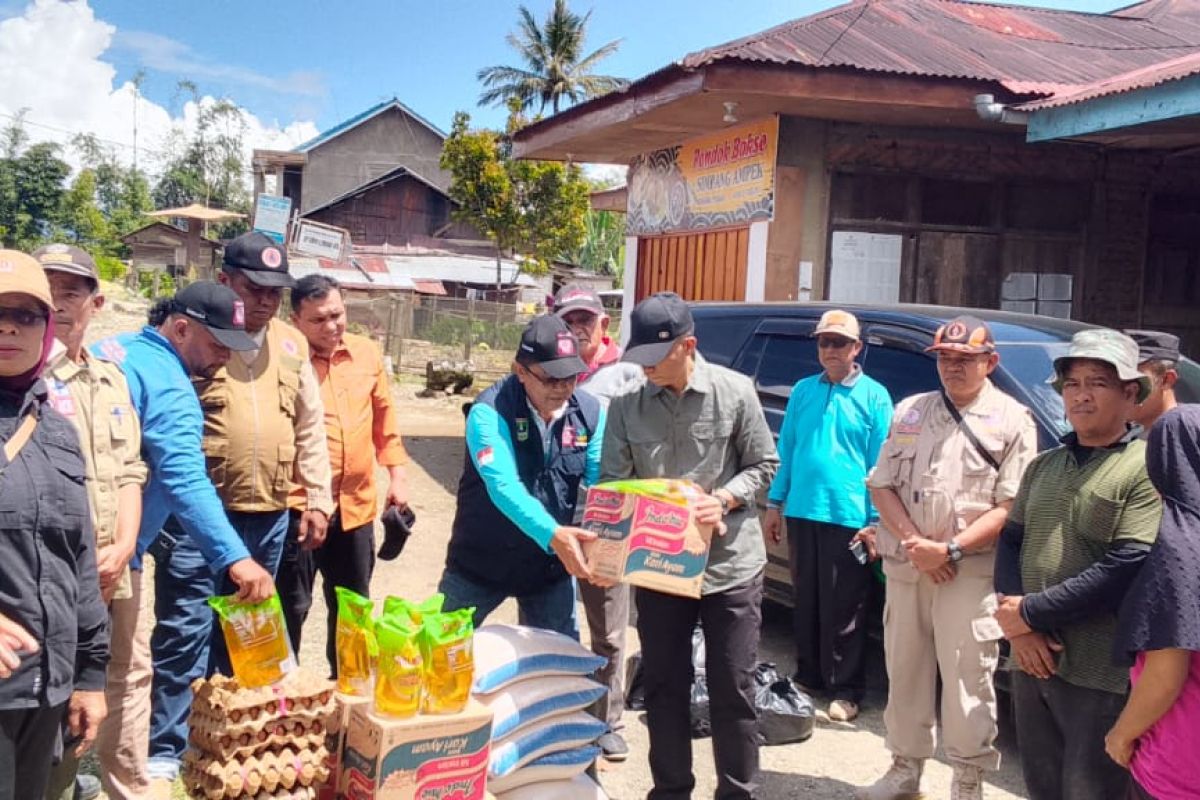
(954, 553)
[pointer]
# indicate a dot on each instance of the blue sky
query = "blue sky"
(325, 61)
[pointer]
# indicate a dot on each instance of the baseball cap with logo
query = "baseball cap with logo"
(218, 309)
(22, 274)
(1155, 345)
(69, 259)
(1111, 347)
(576, 297)
(548, 343)
(654, 325)
(261, 259)
(838, 322)
(965, 334)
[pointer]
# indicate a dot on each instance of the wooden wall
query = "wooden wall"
(706, 265)
(389, 213)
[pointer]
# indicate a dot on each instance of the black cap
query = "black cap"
(654, 325)
(965, 334)
(1155, 345)
(549, 343)
(397, 525)
(217, 308)
(577, 297)
(262, 259)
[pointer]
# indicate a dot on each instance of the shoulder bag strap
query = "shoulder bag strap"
(970, 434)
(20, 437)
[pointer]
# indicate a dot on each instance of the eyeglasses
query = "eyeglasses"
(553, 383)
(21, 317)
(833, 343)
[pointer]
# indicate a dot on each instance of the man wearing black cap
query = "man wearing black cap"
(697, 421)
(1158, 357)
(532, 440)
(191, 334)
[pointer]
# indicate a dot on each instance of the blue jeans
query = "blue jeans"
(552, 608)
(181, 646)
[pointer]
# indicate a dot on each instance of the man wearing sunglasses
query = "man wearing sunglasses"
(532, 440)
(834, 427)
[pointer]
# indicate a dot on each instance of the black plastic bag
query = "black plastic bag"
(785, 714)
(699, 709)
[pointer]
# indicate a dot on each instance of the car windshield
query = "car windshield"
(1031, 364)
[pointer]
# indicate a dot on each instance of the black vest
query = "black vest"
(485, 545)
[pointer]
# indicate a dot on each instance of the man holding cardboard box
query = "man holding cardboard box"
(697, 421)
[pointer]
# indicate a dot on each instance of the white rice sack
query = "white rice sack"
(581, 788)
(508, 653)
(561, 766)
(525, 702)
(551, 735)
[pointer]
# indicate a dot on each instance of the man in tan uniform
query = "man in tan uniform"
(943, 486)
(92, 393)
(264, 432)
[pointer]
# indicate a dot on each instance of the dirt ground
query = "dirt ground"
(837, 757)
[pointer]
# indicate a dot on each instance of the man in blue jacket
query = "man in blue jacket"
(835, 424)
(190, 334)
(532, 442)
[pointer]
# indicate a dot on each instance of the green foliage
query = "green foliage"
(532, 208)
(554, 65)
(166, 284)
(31, 189)
(603, 247)
(453, 330)
(111, 269)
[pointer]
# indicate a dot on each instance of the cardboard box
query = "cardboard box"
(647, 539)
(335, 736)
(426, 757)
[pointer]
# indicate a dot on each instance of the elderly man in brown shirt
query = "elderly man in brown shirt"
(93, 394)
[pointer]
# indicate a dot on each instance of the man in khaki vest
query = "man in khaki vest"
(264, 431)
(943, 485)
(91, 391)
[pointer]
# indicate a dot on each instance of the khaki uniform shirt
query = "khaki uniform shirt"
(95, 398)
(943, 481)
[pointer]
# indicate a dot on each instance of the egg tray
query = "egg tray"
(241, 711)
(214, 737)
(271, 774)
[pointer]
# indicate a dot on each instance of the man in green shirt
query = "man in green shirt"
(1080, 528)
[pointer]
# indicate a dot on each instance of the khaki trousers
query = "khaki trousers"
(123, 742)
(929, 628)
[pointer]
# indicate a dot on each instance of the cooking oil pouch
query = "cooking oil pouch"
(256, 637)
(414, 612)
(357, 649)
(398, 675)
(447, 649)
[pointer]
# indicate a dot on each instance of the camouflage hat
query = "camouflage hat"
(1109, 346)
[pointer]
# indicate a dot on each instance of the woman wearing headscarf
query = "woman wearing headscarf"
(1158, 734)
(53, 623)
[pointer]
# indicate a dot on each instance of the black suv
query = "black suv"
(773, 343)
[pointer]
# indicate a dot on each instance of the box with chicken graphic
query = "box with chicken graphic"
(647, 535)
(427, 757)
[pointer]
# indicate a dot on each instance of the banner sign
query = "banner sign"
(271, 216)
(713, 181)
(322, 241)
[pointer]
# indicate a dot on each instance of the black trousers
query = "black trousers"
(347, 558)
(731, 622)
(27, 745)
(831, 592)
(1060, 734)
(1136, 792)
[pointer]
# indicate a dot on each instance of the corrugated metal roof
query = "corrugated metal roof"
(1030, 48)
(403, 272)
(1144, 78)
(358, 119)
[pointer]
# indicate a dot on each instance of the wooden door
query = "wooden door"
(710, 265)
(958, 269)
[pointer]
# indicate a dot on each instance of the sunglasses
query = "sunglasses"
(552, 383)
(22, 317)
(833, 343)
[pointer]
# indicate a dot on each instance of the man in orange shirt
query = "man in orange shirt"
(361, 428)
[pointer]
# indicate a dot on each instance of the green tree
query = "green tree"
(535, 209)
(32, 181)
(603, 246)
(122, 192)
(555, 68)
(81, 220)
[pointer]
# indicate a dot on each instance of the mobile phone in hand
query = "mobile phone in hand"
(859, 551)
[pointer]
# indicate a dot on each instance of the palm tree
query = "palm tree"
(553, 69)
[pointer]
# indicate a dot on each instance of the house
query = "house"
(376, 174)
(877, 152)
(162, 247)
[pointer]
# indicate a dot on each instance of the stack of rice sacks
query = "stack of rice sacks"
(260, 744)
(537, 684)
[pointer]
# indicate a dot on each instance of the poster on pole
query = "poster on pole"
(865, 267)
(271, 216)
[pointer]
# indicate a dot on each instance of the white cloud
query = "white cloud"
(610, 174)
(52, 63)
